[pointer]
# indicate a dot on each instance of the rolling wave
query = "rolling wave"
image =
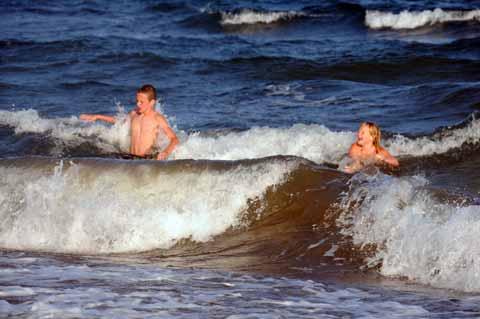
(314, 142)
(95, 206)
(247, 16)
(169, 7)
(411, 232)
(12, 43)
(148, 58)
(416, 19)
(239, 17)
(271, 211)
(390, 67)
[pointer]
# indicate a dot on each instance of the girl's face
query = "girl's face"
(364, 137)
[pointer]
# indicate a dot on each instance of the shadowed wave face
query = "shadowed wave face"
(267, 214)
(282, 215)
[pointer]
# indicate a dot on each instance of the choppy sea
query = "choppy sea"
(252, 215)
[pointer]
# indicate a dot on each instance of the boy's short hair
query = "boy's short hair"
(149, 90)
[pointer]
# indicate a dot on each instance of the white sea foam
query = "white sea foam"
(417, 236)
(440, 143)
(415, 19)
(119, 290)
(253, 17)
(70, 131)
(84, 208)
(313, 142)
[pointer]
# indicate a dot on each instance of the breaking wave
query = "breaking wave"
(313, 142)
(416, 19)
(417, 234)
(105, 206)
(247, 16)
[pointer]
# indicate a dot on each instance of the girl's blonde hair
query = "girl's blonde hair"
(374, 132)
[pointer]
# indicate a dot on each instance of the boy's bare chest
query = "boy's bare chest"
(143, 124)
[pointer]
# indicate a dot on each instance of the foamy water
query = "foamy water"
(89, 207)
(415, 19)
(87, 234)
(149, 291)
(70, 132)
(417, 236)
(253, 17)
(313, 142)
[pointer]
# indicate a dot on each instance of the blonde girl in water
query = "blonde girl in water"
(367, 149)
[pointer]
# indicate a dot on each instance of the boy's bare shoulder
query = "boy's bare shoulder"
(160, 118)
(132, 113)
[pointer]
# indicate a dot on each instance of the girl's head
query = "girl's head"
(369, 133)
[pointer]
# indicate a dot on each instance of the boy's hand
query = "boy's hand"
(162, 156)
(88, 117)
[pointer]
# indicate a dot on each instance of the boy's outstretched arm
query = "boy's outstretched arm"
(94, 117)
(171, 135)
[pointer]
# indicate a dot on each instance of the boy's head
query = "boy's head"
(148, 90)
(146, 97)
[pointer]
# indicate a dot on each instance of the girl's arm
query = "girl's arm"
(386, 157)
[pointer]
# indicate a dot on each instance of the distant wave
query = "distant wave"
(14, 43)
(247, 16)
(58, 44)
(391, 67)
(168, 7)
(149, 58)
(415, 19)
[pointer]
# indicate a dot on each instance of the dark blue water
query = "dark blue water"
(63, 59)
(246, 85)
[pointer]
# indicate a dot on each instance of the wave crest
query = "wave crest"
(314, 142)
(247, 16)
(416, 234)
(416, 19)
(95, 206)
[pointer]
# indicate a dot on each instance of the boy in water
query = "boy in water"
(145, 124)
(367, 149)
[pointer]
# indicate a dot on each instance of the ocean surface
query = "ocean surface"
(252, 216)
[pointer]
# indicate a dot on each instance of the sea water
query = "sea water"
(252, 216)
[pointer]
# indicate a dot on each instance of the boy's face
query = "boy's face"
(144, 103)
